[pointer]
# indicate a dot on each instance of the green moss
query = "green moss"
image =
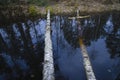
(32, 10)
(50, 8)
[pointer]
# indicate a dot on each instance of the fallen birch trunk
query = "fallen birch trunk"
(87, 65)
(48, 68)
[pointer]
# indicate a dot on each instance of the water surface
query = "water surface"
(22, 48)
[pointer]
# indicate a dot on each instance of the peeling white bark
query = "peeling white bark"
(87, 65)
(48, 68)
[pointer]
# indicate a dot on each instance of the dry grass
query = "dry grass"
(87, 7)
(70, 6)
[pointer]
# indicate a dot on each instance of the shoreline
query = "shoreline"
(22, 12)
(65, 8)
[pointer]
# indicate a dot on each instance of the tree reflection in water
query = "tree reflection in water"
(113, 38)
(21, 54)
(100, 32)
(22, 47)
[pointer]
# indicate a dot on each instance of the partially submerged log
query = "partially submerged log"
(78, 17)
(48, 68)
(86, 61)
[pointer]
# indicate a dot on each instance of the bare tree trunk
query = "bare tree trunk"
(48, 68)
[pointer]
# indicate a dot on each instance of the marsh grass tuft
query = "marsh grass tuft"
(51, 10)
(32, 10)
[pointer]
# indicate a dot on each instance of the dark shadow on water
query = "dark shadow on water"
(22, 50)
(101, 34)
(67, 55)
(102, 38)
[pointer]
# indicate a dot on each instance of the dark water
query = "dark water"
(22, 48)
(101, 35)
(103, 46)
(68, 58)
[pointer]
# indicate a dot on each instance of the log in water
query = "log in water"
(86, 61)
(48, 69)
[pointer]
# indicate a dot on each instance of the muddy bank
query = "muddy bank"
(16, 13)
(23, 12)
(84, 7)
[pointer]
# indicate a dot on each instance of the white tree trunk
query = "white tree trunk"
(86, 61)
(48, 68)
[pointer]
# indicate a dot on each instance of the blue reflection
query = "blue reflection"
(67, 58)
(5, 37)
(109, 25)
(22, 50)
(22, 64)
(8, 60)
(2, 77)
